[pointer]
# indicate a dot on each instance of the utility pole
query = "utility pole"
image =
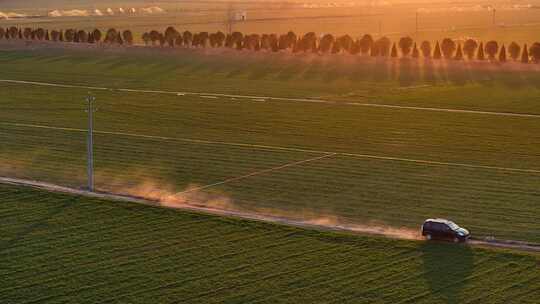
(494, 11)
(230, 18)
(416, 22)
(90, 142)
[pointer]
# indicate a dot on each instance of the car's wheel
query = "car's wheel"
(428, 237)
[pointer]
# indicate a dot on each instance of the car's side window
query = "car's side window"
(437, 227)
(427, 225)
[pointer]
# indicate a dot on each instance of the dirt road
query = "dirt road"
(318, 224)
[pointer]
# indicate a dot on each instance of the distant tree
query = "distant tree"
(525, 54)
(47, 36)
(146, 38)
(170, 35)
(220, 39)
(83, 36)
(69, 35)
(426, 49)
(274, 42)
(336, 47)
(459, 53)
(228, 41)
(535, 52)
(204, 37)
(196, 41)
(394, 53)
(365, 43)
(265, 42)
(20, 34)
(514, 51)
(283, 42)
(256, 40)
(252, 42)
(296, 46)
(491, 49)
(448, 47)
(127, 35)
(291, 39)
(312, 42)
(355, 48)
(502, 54)
(13, 32)
(405, 44)
(97, 35)
(300, 45)
(374, 51)
(415, 52)
(437, 53)
(2, 33)
(187, 36)
(55, 35)
(179, 41)
(213, 40)
(171, 32)
(245, 41)
(161, 40)
(91, 37)
(237, 39)
(469, 48)
(154, 37)
(27, 33)
(76, 37)
(33, 35)
(345, 43)
(61, 37)
(383, 46)
(119, 39)
(308, 42)
(480, 55)
(111, 36)
(326, 43)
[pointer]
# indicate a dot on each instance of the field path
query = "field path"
(269, 98)
(397, 233)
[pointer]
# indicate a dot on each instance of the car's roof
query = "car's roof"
(439, 220)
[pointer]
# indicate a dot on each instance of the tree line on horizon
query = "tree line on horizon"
(112, 36)
(367, 45)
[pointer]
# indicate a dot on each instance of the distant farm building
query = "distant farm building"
(240, 16)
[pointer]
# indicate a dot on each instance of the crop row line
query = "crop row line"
(145, 248)
(393, 261)
(278, 272)
(253, 253)
(269, 147)
(265, 98)
(407, 277)
(172, 269)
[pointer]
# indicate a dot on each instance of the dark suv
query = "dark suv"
(444, 230)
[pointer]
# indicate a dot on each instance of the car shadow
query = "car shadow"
(446, 268)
